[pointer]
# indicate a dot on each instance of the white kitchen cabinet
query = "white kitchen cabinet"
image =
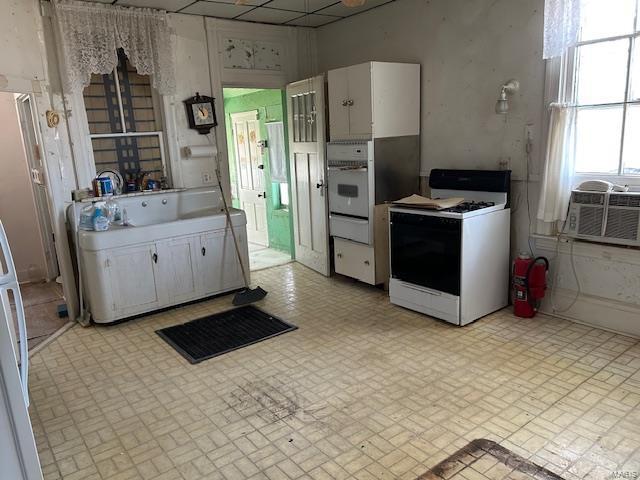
(365, 262)
(175, 263)
(216, 270)
(374, 100)
(133, 279)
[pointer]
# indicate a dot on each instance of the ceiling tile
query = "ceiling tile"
(313, 20)
(215, 9)
(269, 15)
(341, 11)
(301, 5)
(168, 5)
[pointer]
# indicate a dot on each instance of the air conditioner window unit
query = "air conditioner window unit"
(609, 217)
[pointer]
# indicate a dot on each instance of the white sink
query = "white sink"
(157, 215)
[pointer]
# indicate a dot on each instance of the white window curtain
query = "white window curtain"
(277, 157)
(557, 180)
(561, 26)
(90, 35)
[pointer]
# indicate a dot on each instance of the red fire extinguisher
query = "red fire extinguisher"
(528, 284)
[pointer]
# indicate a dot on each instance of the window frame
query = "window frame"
(158, 102)
(567, 83)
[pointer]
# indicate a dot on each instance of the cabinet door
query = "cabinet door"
(133, 279)
(218, 266)
(211, 263)
(175, 263)
(360, 114)
(338, 109)
(355, 260)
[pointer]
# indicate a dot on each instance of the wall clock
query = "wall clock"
(201, 113)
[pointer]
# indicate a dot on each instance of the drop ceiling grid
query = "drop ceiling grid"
(311, 13)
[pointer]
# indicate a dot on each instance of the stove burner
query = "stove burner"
(465, 207)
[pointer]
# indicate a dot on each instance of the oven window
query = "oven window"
(425, 250)
(350, 191)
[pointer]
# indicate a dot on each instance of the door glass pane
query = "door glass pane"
(294, 118)
(598, 136)
(631, 157)
(606, 18)
(602, 72)
(634, 90)
(314, 129)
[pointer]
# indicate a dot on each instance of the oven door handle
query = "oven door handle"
(422, 289)
(347, 169)
(346, 218)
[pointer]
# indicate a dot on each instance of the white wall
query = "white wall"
(20, 58)
(17, 205)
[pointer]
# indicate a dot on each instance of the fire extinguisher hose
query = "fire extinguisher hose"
(526, 278)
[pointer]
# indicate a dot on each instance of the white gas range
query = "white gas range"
(453, 264)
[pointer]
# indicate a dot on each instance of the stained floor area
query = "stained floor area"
(362, 390)
(41, 302)
(261, 257)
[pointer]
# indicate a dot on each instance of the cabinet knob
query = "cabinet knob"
(339, 255)
(350, 102)
(345, 103)
(204, 251)
(366, 262)
(145, 203)
(155, 257)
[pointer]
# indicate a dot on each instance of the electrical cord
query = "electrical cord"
(556, 270)
(528, 148)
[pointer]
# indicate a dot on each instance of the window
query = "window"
(125, 122)
(284, 195)
(604, 84)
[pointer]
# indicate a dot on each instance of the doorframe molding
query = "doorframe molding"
(41, 202)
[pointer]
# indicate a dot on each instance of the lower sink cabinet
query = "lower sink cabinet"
(127, 281)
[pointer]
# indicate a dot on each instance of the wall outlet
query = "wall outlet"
(207, 177)
(528, 135)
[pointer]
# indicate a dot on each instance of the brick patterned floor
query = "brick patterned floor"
(362, 390)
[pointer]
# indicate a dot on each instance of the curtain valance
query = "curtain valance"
(561, 26)
(90, 35)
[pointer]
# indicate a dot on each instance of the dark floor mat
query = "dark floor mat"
(214, 335)
(478, 459)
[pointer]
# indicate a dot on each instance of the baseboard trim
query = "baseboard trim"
(596, 312)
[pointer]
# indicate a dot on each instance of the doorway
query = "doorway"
(256, 131)
(26, 217)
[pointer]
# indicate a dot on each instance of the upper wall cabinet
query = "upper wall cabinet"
(374, 100)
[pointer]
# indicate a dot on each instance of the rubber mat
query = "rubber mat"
(224, 332)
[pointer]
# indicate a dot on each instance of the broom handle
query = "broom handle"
(233, 233)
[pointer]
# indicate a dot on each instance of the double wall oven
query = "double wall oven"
(351, 198)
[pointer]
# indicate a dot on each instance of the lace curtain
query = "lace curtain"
(90, 35)
(561, 26)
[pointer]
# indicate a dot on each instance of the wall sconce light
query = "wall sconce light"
(509, 88)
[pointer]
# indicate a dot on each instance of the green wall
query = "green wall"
(270, 106)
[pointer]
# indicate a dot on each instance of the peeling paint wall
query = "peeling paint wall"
(20, 59)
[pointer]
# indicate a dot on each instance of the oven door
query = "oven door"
(425, 250)
(349, 191)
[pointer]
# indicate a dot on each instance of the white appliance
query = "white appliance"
(453, 264)
(604, 216)
(18, 453)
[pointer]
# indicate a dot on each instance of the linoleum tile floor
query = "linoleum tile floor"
(362, 390)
